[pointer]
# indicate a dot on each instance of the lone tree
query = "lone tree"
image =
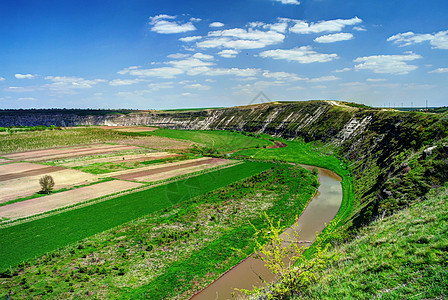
(47, 184)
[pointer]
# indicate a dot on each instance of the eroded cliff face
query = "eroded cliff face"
(385, 148)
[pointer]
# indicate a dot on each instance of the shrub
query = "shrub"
(47, 184)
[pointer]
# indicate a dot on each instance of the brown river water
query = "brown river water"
(246, 275)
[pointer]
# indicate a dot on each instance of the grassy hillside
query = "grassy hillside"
(404, 256)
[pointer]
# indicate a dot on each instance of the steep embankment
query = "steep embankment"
(395, 157)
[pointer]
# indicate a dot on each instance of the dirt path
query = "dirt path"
(62, 199)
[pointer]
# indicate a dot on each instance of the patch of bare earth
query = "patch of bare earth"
(156, 142)
(29, 185)
(62, 199)
(51, 154)
(172, 169)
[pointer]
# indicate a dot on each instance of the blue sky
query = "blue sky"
(170, 54)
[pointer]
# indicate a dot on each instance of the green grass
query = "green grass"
(171, 252)
(404, 256)
(27, 240)
(219, 140)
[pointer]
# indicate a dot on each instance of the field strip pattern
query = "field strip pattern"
(182, 171)
(146, 174)
(40, 171)
(27, 186)
(62, 199)
(42, 155)
(151, 167)
(27, 240)
(127, 158)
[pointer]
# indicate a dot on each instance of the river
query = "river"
(319, 212)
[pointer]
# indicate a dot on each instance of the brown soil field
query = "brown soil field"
(183, 171)
(151, 167)
(41, 171)
(136, 175)
(127, 158)
(51, 154)
(128, 128)
(156, 142)
(62, 199)
(4, 161)
(27, 186)
(19, 168)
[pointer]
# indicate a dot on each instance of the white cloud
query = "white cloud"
(188, 94)
(120, 82)
(203, 56)
(303, 27)
(190, 38)
(160, 85)
(238, 38)
(20, 89)
(438, 40)
(189, 63)
(25, 76)
(336, 37)
(439, 70)
(319, 87)
(61, 83)
(163, 72)
(27, 99)
(296, 2)
(342, 70)
(216, 24)
(324, 78)
(2, 79)
(387, 64)
(303, 55)
(197, 86)
(359, 28)
(375, 80)
(280, 26)
(282, 76)
(248, 72)
(178, 55)
(161, 25)
(229, 53)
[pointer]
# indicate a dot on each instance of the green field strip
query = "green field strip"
(27, 240)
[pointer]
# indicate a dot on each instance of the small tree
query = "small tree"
(47, 184)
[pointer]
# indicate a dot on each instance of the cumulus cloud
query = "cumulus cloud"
(178, 55)
(27, 99)
(238, 38)
(303, 55)
(160, 85)
(216, 24)
(229, 53)
(324, 78)
(280, 26)
(189, 63)
(439, 70)
(375, 79)
(190, 38)
(197, 86)
(25, 76)
(296, 2)
(120, 82)
(304, 27)
(282, 76)
(163, 72)
(63, 82)
(2, 79)
(342, 70)
(438, 40)
(203, 56)
(387, 64)
(336, 37)
(248, 72)
(163, 24)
